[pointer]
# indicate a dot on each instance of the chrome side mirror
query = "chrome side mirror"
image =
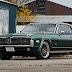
(62, 32)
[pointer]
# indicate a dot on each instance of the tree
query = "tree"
(25, 15)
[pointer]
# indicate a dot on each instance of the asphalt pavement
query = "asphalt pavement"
(30, 64)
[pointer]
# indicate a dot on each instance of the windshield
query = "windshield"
(39, 28)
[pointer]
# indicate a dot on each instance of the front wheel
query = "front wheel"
(43, 52)
(4, 57)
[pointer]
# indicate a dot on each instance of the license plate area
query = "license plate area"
(10, 49)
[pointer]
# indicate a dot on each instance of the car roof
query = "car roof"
(51, 23)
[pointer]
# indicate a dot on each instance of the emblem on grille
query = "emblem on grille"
(8, 41)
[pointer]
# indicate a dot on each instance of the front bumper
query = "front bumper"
(19, 51)
(16, 45)
(19, 48)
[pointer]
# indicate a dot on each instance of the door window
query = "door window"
(64, 28)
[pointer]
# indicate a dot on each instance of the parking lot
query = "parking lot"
(54, 64)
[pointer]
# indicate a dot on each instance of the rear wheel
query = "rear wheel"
(43, 52)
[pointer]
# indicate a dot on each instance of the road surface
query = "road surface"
(54, 64)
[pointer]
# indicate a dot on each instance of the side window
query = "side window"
(65, 28)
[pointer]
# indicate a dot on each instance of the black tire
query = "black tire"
(4, 57)
(44, 51)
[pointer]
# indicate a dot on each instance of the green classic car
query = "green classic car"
(37, 39)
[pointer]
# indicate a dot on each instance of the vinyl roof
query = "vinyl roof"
(67, 3)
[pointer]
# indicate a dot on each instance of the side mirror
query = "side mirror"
(62, 32)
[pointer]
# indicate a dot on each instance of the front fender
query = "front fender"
(41, 41)
(47, 40)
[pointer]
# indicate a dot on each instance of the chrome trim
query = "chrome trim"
(16, 45)
(65, 51)
(19, 37)
(31, 45)
(61, 47)
(2, 37)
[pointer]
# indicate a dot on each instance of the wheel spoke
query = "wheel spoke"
(44, 51)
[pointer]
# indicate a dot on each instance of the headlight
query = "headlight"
(37, 41)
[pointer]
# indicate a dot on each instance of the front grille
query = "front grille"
(26, 41)
(3, 41)
(15, 41)
(20, 41)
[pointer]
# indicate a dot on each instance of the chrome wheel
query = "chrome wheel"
(45, 50)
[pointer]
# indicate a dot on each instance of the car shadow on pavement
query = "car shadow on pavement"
(33, 58)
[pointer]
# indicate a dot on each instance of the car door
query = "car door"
(64, 36)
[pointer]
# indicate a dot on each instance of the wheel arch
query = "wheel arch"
(38, 54)
(46, 40)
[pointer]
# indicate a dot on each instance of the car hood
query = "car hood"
(15, 35)
(32, 35)
(22, 35)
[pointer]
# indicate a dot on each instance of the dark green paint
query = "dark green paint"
(56, 40)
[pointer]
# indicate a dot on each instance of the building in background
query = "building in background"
(49, 7)
(7, 17)
(50, 10)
